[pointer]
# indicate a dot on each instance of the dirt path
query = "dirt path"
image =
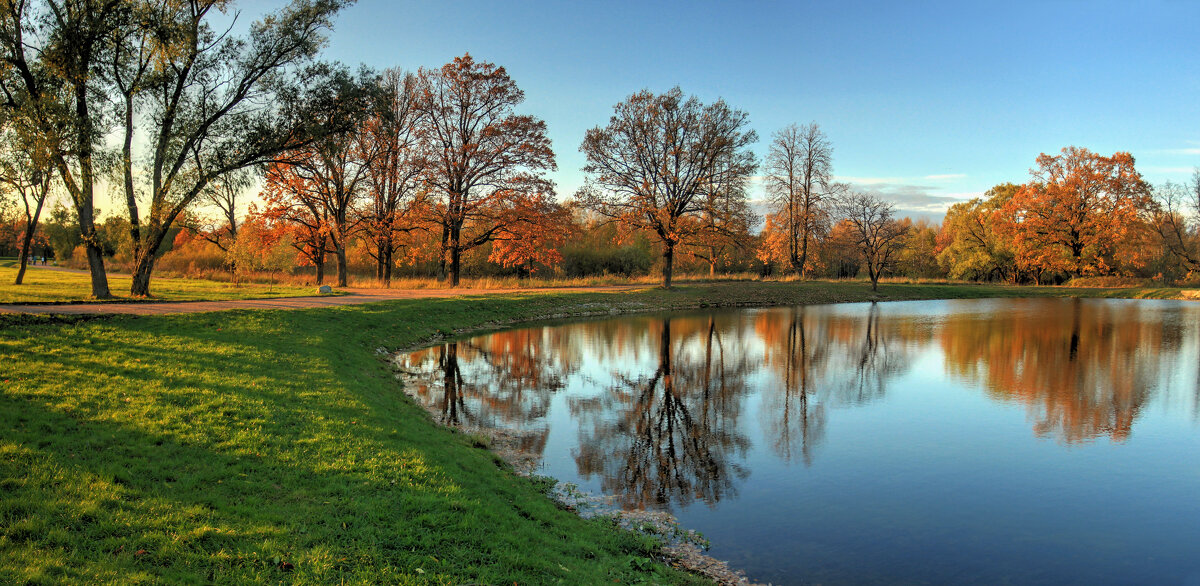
(354, 297)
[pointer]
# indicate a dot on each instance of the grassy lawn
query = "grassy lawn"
(276, 446)
(42, 285)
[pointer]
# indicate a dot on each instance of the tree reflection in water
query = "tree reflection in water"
(821, 360)
(505, 379)
(1083, 373)
(671, 436)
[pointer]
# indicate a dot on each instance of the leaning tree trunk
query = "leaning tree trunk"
(95, 256)
(144, 260)
(141, 275)
(27, 241)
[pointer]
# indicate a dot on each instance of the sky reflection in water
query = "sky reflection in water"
(951, 441)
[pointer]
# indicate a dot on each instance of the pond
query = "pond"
(978, 441)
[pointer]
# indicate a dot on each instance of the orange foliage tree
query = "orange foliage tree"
(293, 205)
(482, 157)
(535, 228)
(1082, 214)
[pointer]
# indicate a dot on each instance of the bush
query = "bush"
(626, 261)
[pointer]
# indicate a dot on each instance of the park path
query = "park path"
(354, 296)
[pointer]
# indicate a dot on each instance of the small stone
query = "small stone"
(324, 290)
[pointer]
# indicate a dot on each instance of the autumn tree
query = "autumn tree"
(875, 231)
(25, 172)
(394, 168)
(801, 189)
(1082, 213)
(535, 229)
(659, 158)
(332, 173)
(297, 205)
(973, 244)
(483, 159)
(918, 252)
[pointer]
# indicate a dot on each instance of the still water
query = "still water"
(981, 441)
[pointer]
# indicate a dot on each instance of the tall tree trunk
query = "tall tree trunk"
(387, 268)
(668, 261)
(455, 259)
(319, 262)
(95, 256)
(340, 251)
(712, 261)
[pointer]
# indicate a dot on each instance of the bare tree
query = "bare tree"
(482, 156)
(657, 160)
(801, 187)
(394, 169)
(1177, 220)
(226, 195)
(876, 232)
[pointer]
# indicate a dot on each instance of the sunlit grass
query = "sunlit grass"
(45, 285)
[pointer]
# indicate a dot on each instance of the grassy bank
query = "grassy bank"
(269, 446)
(44, 285)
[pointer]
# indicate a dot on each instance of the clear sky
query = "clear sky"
(926, 102)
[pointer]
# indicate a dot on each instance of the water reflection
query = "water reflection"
(656, 404)
(1082, 373)
(669, 435)
(855, 443)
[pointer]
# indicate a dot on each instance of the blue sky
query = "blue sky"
(925, 102)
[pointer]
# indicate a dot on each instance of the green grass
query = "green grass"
(42, 285)
(276, 446)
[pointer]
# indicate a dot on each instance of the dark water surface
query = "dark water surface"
(982, 441)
